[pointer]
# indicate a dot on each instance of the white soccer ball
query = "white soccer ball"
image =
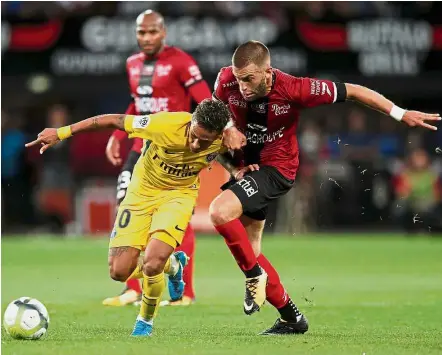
(26, 318)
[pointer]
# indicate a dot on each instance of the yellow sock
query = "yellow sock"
(137, 273)
(168, 265)
(153, 287)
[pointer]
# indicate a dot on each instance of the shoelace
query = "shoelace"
(252, 286)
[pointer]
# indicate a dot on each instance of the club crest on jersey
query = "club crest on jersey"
(256, 127)
(260, 108)
(211, 156)
(144, 90)
(140, 121)
(147, 70)
(236, 102)
(163, 70)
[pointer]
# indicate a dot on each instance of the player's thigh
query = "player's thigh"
(172, 217)
(258, 188)
(133, 222)
(254, 228)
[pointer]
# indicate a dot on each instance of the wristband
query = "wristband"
(229, 124)
(397, 113)
(64, 132)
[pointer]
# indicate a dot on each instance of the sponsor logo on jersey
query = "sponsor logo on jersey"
(256, 127)
(147, 70)
(134, 71)
(163, 70)
(237, 102)
(260, 138)
(260, 108)
(230, 84)
(144, 90)
(280, 109)
(318, 87)
(151, 104)
(178, 170)
(249, 185)
(140, 121)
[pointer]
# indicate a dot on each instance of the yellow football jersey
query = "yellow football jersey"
(168, 162)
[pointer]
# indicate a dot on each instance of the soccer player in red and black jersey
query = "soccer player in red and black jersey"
(265, 103)
(161, 78)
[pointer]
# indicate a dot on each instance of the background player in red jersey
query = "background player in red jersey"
(265, 104)
(161, 78)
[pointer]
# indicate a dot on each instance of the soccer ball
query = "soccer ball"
(26, 318)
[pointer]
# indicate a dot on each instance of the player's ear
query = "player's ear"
(268, 72)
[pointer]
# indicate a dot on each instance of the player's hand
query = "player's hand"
(416, 118)
(113, 151)
(233, 139)
(240, 174)
(47, 138)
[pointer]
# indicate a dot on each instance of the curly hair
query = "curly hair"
(212, 115)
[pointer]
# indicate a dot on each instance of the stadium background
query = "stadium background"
(64, 61)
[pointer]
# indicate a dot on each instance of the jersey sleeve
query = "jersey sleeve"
(219, 90)
(189, 72)
(309, 92)
(149, 127)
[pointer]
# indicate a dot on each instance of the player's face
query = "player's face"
(253, 81)
(199, 138)
(150, 35)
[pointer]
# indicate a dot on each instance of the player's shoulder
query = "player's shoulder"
(179, 55)
(135, 58)
(226, 79)
(282, 78)
(286, 85)
(172, 118)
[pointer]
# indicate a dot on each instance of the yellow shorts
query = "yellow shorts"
(143, 214)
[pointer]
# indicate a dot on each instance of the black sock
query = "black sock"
(253, 272)
(289, 312)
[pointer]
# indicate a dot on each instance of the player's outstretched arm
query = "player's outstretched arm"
(380, 103)
(51, 136)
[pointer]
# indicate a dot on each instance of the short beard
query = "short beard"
(261, 90)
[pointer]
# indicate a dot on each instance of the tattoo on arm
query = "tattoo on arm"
(118, 251)
(120, 120)
(95, 122)
(226, 161)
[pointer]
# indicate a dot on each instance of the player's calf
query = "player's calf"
(224, 212)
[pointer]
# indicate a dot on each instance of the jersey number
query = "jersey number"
(124, 220)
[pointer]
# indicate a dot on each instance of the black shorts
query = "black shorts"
(257, 189)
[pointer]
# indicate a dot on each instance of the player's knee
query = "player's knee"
(119, 274)
(154, 266)
(219, 214)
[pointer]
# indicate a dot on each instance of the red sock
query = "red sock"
(235, 236)
(276, 294)
(188, 246)
(134, 284)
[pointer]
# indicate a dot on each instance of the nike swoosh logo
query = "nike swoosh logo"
(248, 307)
(167, 152)
(178, 228)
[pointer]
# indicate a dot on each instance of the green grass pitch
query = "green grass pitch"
(367, 294)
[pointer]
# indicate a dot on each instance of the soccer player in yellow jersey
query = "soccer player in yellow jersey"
(161, 196)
